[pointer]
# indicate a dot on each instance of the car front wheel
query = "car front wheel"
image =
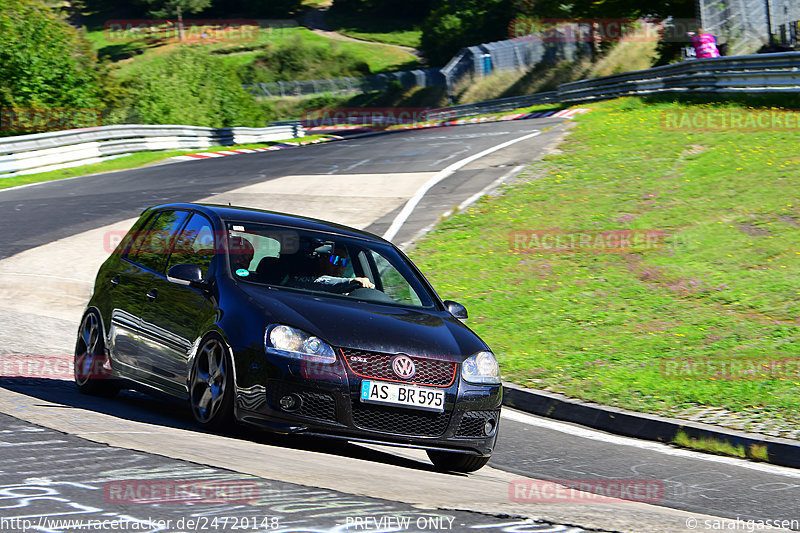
(211, 385)
(456, 462)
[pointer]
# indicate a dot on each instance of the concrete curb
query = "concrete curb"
(277, 146)
(783, 452)
(568, 114)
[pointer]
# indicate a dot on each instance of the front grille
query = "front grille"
(472, 423)
(378, 365)
(312, 404)
(400, 421)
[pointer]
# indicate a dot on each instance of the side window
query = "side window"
(394, 284)
(263, 246)
(151, 247)
(195, 244)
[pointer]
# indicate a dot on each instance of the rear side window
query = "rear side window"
(152, 245)
(195, 244)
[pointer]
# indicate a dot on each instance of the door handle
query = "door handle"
(152, 294)
(114, 281)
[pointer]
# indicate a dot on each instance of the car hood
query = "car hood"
(368, 326)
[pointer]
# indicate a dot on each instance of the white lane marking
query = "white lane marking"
(358, 164)
(401, 218)
(585, 433)
(496, 183)
(451, 156)
(463, 205)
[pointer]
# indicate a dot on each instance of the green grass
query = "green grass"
(382, 30)
(131, 55)
(757, 452)
(128, 162)
(606, 326)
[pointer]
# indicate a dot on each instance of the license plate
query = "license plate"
(402, 395)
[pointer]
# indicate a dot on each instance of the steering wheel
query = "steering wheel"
(373, 295)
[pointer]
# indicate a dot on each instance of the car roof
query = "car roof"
(230, 213)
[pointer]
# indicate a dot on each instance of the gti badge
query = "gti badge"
(404, 367)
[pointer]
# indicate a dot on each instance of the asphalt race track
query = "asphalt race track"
(65, 455)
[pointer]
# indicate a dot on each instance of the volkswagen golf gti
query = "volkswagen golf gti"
(293, 325)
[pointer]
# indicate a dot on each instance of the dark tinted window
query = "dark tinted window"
(151, 247)
(324, 264)
(195, 244)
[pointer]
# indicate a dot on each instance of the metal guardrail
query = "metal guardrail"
(761, 73)
(754, 73)
(43, 152)
(739, 74)
(492, 106)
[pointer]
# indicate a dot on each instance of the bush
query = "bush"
(192, 87)
(301, 60)
(46, 66)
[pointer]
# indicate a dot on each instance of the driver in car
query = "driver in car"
(329, 275)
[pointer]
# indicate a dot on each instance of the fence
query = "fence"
(42, 152)
(747, 25)
(428, 77)
(480, 60)
(512, 54)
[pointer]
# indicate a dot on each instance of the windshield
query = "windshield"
(323, 263)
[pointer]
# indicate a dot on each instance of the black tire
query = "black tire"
(92, 373)
(211, 385)
(456, 462)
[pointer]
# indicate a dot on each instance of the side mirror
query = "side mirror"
(456, 309)
(187, 274)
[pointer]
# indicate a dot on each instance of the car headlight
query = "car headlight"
(481, 368)
(292, 342)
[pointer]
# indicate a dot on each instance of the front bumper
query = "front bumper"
(328, 403)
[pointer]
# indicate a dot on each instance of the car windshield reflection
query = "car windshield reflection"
(323, 263)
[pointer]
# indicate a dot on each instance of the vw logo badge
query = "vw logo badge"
(404, 367)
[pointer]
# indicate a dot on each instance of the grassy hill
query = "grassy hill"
(707, 318)
(131, 53)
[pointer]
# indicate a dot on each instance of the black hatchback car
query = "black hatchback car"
(291, 324)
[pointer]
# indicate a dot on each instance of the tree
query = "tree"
(45, 64)
(411, 9)
(170, 8)
(459, 23)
